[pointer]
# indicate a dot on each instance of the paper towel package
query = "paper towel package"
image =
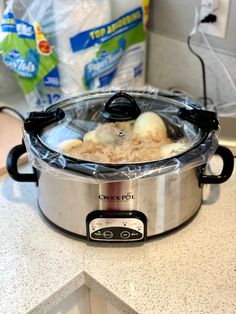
(73, 17)
(27, 52)
(135, 56)
(81, 45)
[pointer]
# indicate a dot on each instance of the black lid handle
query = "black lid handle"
(204, 119)
(121, 107)
(36, 121)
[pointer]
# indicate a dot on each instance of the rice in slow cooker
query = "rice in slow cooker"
(144, 139)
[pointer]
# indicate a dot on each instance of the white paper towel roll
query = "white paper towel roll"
(120, 7)
(133, 58)
(73, 17)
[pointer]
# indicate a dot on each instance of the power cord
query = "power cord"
(204, 85)
(3, 108)
(197, 27)
(210, 18)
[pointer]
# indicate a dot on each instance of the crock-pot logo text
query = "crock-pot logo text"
(117, 198)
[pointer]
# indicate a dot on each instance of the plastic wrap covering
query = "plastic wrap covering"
(227, 110)
(65, 47)
(84, 113)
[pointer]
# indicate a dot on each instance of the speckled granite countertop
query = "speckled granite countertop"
(189, 271)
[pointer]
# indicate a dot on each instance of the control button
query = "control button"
(98, 233)
(135, 234)
(125, 234)
(107, 234)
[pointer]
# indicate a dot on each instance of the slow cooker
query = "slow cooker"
(120, 202)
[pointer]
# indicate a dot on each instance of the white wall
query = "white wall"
(174, 18)
(170, 63)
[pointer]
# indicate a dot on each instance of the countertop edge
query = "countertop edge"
(58, 296)
(83, 278)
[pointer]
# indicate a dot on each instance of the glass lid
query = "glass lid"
(121, 128)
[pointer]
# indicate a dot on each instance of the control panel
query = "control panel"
(116, 226)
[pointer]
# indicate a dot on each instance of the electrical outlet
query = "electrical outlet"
(221, 9)
(209, 6)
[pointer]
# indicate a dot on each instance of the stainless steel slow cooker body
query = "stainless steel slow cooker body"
(167, 200)
(103, 203)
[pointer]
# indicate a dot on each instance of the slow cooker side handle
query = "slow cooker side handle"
(12, 168)
(228, 166)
